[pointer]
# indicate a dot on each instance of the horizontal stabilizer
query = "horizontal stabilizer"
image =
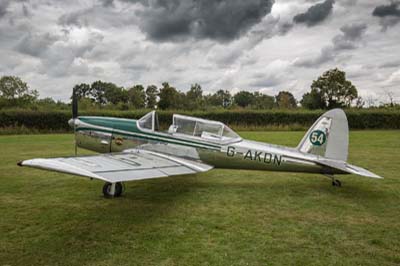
(361, 171)
(347, 168)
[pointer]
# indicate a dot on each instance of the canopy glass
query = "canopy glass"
(202, 128)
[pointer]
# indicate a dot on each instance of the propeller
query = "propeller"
(75, 115)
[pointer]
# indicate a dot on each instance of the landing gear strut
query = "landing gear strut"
(335, 182)
(111, 190)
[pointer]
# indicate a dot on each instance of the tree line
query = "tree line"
(330, 90)
(101, 93)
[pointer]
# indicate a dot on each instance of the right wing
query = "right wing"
(117, 167)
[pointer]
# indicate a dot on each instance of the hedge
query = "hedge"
(56, 121)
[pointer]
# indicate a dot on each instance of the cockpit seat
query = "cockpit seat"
(172, 129)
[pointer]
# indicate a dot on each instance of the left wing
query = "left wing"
(117, 167)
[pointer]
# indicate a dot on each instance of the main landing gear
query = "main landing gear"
(335, 182)
(111, 190)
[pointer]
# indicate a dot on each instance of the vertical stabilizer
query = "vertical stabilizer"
(328, 136)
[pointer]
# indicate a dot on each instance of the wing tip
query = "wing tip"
(20, 163)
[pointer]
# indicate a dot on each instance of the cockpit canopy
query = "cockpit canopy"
(193, 127)
(202, 128)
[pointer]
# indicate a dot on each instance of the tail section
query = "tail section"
(328, 136)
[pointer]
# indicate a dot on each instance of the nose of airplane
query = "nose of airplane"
(72, 122)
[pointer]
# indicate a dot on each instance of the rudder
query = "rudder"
(328, 136)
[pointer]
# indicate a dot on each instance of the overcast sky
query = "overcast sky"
(256, 45)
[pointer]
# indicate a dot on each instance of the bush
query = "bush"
(56, 121)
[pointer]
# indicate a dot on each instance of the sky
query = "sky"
(254, 45)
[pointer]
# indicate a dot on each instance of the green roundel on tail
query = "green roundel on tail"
(317, 137)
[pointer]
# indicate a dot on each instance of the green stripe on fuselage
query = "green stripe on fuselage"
(111, 122)
(116, 125)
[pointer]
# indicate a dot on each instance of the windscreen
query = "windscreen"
(146, 121)
(229, 133)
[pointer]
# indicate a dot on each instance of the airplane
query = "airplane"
(136, 149)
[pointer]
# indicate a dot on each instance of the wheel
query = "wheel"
(336, 183)
(107, 190)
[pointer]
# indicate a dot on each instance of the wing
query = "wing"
(116, 167)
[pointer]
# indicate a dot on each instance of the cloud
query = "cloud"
(387, 10)
(348, 3)
(9, 62)
(107, 3)
(77, 18)
(66, 56)
(57, 44)
(351, 35)
(26, 11)
(270, 75)
(391, 64)
(393, 80)
(315, 14)
(223, 20)
(101, 15)
(35, 44)
(326, 54)
(348, 39)
(3, 7)
(389, 14)
(228, 54)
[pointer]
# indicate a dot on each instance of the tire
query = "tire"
(336, 183)
(107, 188)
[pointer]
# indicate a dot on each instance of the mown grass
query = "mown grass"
(221, 217)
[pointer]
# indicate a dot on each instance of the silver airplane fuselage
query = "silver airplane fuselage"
(107, 135)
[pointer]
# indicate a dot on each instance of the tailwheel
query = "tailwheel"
(336, 183)
(111, 190)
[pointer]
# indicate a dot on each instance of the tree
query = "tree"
(263, 101)
(313, 100)
(220, 99)
(194, 97)
(332, 89)
(390, 96)
(83, 90)
(285, 100)
(170, 98)
(14, 91)
(107, 92)
(137, 96)
(151, 96)
(244, 98)
(115, 94)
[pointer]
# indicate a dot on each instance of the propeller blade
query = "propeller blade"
(76, 146)
(75, 115)
(74, 104)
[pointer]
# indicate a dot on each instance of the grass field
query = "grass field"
(221, 217)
